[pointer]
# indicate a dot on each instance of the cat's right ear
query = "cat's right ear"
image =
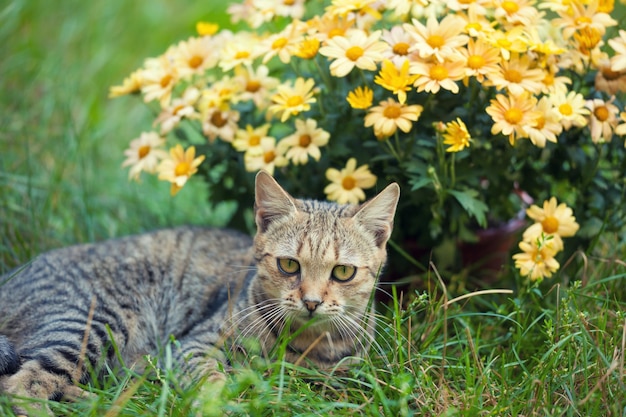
(271, 201)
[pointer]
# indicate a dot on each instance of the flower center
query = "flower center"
(550, 224)
(294, 101)
(143, 151)
(195, 61)
(269, 156)
(566, 109)
(242, 55)
(166, 80)
(182, 169)
(392, 112)
(348, 183)
(540, 122)
(254, 140)
(473, 25)
(401, 48)
(289, 2)
(279, 43)
(353, 53)
(601, 113)
(438, 72)
(513, 76)
(435, 41)
(217, 119)
(513, 116)
(336, 32)
(305, 140)
(504, 43)
(253, 86)
(582, 20)
(475, 62)
(178, 108)
(510, 7)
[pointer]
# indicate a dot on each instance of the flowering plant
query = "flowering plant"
(475, 107)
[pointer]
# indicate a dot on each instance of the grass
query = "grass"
(548, 350)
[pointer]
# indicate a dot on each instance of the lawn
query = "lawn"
(548, 350)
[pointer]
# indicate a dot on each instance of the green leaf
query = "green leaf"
(476, 208)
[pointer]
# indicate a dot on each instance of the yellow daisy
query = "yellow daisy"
(390, 115)
(144, 154)
(348, 184)
(621, 128)
(256, 85)
(516, 12)
(356, 49)
(553, 218)
(398, 81)
(131, 84)
(220, 123)
(179, 167)
(266, 156)
(250, 137)
(194, 56)
(514, 40)
(603, 119)
(179, 108)
(239, 49)
(304, 142)
(434, 75)
(546, 125)
(582, 15)
(158, 80)
(481, 59)
(292, 100)
(517, 75)
(571, 106)
(437, 40)
(360, 98)
(207, 28)
(456, 135)
(537, 259)
(512, 115)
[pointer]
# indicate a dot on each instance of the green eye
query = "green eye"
(343, 272)
(288, 266)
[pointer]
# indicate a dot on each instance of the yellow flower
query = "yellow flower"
(360, 98)
(456, 135)
(267, 156)
(131, 84)
(436, 75)
(340, 8)
(293, 100)
(356, 49)
(307, 48)
(553, 218)
(194, 56)
(394, 80)
(257, 85)
(304, 142)
(517, 76)
(390, 115)
(250, 137)
(516, 12)
(582, 15)
(179, 167)
(348, 184)
(437, 40)
(207, 28)
(144, 154)
(512, 115)
(158, 80)
(221, 124)
(537, 259)
(621, 128)
(571, 106)
(481, 58)
(546, 125)
(514, 40)
(239, 49)
(603, 119)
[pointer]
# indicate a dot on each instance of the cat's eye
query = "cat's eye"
(343, 272)
(288, 266)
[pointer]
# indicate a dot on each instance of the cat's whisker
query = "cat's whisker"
(360, 322)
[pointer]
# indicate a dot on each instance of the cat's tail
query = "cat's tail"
(9, 359)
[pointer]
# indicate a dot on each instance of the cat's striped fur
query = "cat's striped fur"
(210, 289)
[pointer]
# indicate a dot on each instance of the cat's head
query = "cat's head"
(320, 259)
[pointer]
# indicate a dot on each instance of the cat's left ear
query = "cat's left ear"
(270, 201)
(377, 214)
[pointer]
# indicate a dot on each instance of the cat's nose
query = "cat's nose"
(311, 305)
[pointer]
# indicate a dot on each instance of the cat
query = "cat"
(204, 287)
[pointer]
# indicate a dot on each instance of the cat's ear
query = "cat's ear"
(377, 214)
(271, 201)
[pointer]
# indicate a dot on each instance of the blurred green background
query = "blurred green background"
(62, 139)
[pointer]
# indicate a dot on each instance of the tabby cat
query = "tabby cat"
(207, 288)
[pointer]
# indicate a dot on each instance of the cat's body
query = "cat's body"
(206, 288)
